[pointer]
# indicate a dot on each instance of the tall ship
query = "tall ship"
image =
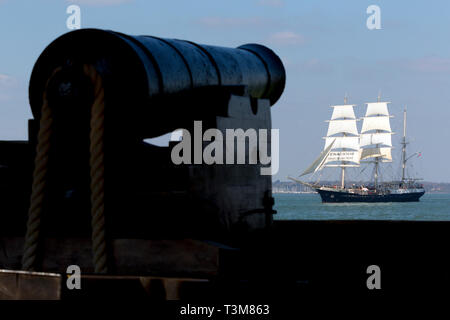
(345, 148)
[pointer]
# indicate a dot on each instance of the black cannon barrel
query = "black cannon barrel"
(146, 66)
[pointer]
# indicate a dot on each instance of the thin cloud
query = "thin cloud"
(99, 3)
(8, 87)
(217, 22)
(286, 38)
(6, 81)
(271, 3)
(430, 64)
(3, 77)
(316, 66)
(427, 65)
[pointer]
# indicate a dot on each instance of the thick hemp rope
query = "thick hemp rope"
(96, 162)
(38, 187)
(96, 171)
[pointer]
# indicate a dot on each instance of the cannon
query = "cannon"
(140, 72)
(88, 170)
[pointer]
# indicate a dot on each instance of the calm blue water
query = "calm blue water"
(310, 207)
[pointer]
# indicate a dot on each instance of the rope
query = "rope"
(97, 172)
(38, 187)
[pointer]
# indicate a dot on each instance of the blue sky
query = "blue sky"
(325, 46)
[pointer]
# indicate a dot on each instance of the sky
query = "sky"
(326, 48)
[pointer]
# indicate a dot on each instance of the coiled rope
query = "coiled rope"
(96, 171)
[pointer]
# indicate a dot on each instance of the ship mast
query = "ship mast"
(404, 146)
(343, 162)
(375, 137)
(377, 159)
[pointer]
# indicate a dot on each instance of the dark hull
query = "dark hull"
(337, 196)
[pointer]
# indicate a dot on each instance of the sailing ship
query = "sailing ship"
(345, 147)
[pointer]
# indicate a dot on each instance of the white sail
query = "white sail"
(376, 123)
(387, 155)
(377, 109)
(343, 142)
(318, 163)
(342, 131)
(339, 156)
(342, 126)
(342, 165)
(383, 153)
(381, 139)
(343, 112)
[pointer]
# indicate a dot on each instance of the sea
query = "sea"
(308, 206)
